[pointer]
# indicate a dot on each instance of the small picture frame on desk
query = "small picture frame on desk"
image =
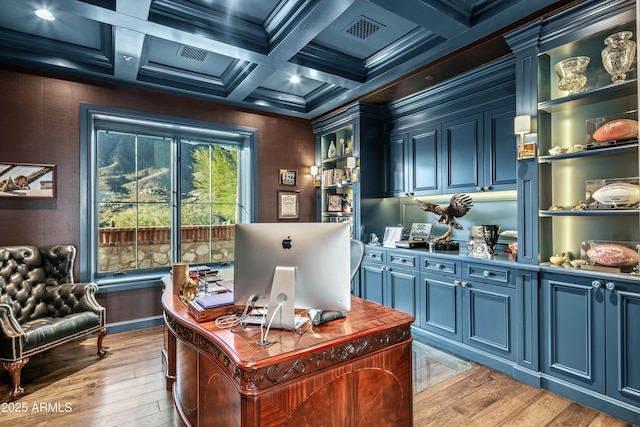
(288, 204)
(334, 203)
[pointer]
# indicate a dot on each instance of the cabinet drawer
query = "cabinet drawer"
(496, 275)
(404, 260)
(374, 255)
(442, 266)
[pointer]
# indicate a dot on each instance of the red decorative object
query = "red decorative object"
(613, 255)
(617, 129)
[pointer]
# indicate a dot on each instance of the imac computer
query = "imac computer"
(292, 265)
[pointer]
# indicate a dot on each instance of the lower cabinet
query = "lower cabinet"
(390, 278)
(475, 306)
(589, 334)
(575, 334)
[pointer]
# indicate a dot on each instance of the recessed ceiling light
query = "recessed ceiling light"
(294, 79)
(45, 14)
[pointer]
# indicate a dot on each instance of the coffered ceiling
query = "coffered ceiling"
(244, 52)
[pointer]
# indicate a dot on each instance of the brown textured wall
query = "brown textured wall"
(40, 122)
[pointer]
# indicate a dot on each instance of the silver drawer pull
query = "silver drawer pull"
(596, 283)
(611, 286)
(486, 273)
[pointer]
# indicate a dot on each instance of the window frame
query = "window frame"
(96, 117)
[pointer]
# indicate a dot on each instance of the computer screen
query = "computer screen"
(294, 265)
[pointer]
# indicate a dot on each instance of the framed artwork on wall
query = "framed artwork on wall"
(27, 180)
(288, 177)
(288, 204)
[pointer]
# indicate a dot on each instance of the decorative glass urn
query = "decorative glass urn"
(571, 73)
(619, 55)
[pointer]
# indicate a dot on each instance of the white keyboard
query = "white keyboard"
(258, 319)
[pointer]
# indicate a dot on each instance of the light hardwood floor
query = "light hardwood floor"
(70, 386)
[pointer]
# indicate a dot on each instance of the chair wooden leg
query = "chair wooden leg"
(101, 334)
(15, 368)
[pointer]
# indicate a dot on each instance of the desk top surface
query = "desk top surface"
(367, 324)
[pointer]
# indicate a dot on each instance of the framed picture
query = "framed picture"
(288, 177)
(288, 204)
(391, 236)
(27, 180)
(528, 149)
(334, 202)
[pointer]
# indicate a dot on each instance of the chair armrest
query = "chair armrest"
(11, 334)
(73, 298)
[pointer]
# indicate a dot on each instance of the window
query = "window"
(158, 190)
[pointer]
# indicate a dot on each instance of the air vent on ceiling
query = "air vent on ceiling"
(363, 27)
(192, 53)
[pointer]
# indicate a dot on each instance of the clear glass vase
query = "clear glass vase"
(571, 73)
(619, 55)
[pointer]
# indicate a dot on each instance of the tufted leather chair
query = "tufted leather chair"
(41, 307)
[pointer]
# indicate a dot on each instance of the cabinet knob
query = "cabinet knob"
(611, 286)
(456, 282)
(463, 284)
(439, 266)
(486, 273)
(479, 188)
(486, 188)
(596, 283)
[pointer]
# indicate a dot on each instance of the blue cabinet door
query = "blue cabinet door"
(441, 306)
(372, 282)
(490, 318)
(403, 290)
(395, 166)
(424, 161)
(572, 330)
(623, 341)
(500, 151)
(462, 154)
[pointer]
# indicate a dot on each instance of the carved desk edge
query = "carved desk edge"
(251, 381)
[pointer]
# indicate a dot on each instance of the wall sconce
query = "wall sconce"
(313, 171)
(522, 126)
(351, 163)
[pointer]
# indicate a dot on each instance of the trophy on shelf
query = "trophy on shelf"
(491, 232)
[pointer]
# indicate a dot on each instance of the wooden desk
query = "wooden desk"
(349, 372)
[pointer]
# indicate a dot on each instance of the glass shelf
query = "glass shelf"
(592, 212)
(606, 151)
(611, 91)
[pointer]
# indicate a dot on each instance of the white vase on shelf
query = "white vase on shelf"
(332, 150)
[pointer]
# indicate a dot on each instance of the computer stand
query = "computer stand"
(281, 312)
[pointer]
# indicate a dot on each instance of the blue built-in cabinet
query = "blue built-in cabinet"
(574, 331)
(590, 340)
(467, 146)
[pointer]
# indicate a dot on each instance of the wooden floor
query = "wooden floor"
(70, 386)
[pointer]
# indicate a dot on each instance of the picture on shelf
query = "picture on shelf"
(391, 236)
(334, 203)
(26, 180)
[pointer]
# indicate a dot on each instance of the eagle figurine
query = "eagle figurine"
(459, 205)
